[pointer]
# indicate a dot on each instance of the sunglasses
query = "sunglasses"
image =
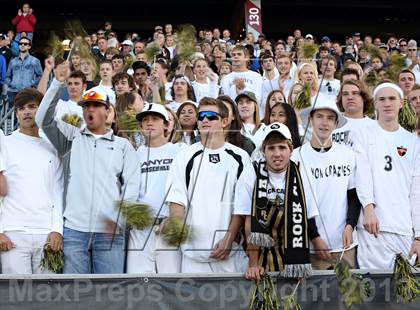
(24, 44)
(94, 96)
(210, 115)
(412, 50)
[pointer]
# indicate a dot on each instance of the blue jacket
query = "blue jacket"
(2, 70)
(23, 73)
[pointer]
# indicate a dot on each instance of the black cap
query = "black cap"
(2, 36)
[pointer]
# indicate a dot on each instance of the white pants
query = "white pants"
(380, 253)
(147, 253)
(237, 262)
(26, 257)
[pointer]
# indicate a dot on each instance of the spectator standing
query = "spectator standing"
(99, 169)
(25, 21)
(32, 209)
(23, 71)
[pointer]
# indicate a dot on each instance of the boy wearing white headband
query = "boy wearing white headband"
(392, 224)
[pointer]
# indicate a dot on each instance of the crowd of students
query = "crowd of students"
(220, 142)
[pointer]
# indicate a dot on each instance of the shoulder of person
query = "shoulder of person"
(237, 150)
(343, 149)
(123, 142)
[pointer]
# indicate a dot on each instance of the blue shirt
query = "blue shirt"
(23, 73)
(2, 70)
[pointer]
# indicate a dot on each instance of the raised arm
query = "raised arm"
(59, 133)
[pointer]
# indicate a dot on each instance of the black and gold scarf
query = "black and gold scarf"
(294, 227)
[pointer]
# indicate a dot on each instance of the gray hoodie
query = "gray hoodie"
(98, 173)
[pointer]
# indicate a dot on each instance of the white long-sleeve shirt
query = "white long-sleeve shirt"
(394, 168)
(35, 188)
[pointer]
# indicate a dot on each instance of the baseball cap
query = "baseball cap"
(278, 128)
(250, 95)
(128, 42)
(153, 108)
(326, 39)
(2, 36)
(323, 102)
(356, 34)
(96, 94)
(309, 36)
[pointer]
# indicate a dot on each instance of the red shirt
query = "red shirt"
(24, 23)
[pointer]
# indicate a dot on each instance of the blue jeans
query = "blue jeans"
(88, 252)
(29, 35)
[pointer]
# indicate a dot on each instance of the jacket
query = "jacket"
(23, 73)
(98, 173)
(24, 23)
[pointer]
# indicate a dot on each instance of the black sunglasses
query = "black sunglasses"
(210, 115)
(24, 43)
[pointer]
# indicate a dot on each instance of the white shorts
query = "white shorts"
(237, 262)
(147, 253)
(26, 257)
(379, 253)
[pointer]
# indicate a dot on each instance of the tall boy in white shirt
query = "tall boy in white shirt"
(392, 224)
(31, 214)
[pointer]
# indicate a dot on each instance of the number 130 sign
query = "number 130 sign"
(253, 17)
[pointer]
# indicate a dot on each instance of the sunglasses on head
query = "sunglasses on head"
(210, 115)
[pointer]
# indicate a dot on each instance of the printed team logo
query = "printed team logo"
(401, 150)
(275, 126)
(214, 158)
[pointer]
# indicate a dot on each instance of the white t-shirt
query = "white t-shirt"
(246, 183)
(253, 83)
(204, 182)
(329, 176)
(267, 87)
(329, 88)
(209, 89)
(68, 107)
(350, 130)
(258, 137)
(110, 92)
(155, 163)
(35, 186)
(168, 87)
(394, 160)
(2, 151)
(173, 105)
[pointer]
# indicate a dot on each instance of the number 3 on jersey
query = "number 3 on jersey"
(388, 165)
